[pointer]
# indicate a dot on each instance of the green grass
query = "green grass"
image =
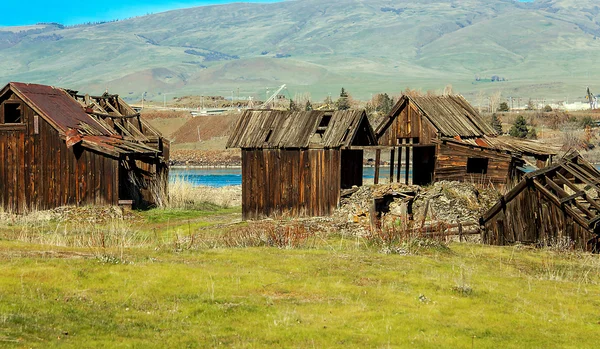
(203, 210)
(335, 294)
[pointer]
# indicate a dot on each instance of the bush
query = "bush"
(503, 107)
(547, 108)
(587, 121)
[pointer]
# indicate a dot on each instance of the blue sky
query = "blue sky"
(75, 12)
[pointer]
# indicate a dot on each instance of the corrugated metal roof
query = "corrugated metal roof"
(305, 129)
(56, 105)
(452, 116)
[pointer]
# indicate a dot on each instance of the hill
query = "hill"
(545, 48)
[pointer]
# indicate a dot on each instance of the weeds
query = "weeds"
(284, 236)
(401, 238)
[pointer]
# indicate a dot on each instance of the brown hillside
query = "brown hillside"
(202, 128)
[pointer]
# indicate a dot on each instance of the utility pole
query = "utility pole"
(143, 97)
(165, 99)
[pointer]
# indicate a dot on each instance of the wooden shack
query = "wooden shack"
(296, 163)
(559, 204)
(58, 147)
(444, 138)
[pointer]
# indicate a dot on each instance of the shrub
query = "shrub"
(587, 121)
(547, 108)
(294, 235)
(503, 107)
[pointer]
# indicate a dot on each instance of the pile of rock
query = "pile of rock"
(448, 202)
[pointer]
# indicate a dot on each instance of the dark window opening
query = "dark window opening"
(325, 120)
(268, 136)
(477, 165)
(12, 113)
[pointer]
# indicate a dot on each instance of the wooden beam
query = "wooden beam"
(407, 167)
(572, 197)
(575, 189)
(399, 164)
(392, 153)
(553, 199)
(377, 161)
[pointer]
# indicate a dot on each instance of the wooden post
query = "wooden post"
(407, 168)
(411, 161)
(377, 161)
(392, 153)
(399, 164)
(460, 232)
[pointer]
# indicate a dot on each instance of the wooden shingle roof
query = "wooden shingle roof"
(305, 129)
(452, 116)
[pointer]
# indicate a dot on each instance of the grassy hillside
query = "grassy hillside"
(544, 48)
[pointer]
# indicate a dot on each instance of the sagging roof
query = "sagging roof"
(516, 146)
(568, 184)
(304, 129)
(451, 115)
(100, 123)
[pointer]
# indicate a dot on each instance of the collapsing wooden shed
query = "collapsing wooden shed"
(296, 163)
(554, 205)
(58, 147)
(444, 138)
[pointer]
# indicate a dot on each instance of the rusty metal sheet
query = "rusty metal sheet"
(55, 105)
(73, 137)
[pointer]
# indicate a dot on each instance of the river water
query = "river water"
(221, 177)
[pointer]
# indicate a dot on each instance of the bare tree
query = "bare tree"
(448, 90)
(480, 99)
(495, 101)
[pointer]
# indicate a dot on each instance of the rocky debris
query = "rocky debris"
(448, 202)
(391, 198)
(454, 202)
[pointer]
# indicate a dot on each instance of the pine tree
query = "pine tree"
(497, 123)
(293, 106)
(308, 106)
(343, 103)
(519, 128)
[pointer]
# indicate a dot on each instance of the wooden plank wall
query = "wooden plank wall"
(409, 124)
(37, 171)
(452, 159)
(285, 182)
(531, 219)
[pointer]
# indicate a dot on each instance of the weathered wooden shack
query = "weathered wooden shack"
(58, 147)
(296, 163)
(559, 204)
(444, 138)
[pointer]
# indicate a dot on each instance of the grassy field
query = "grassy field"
(175, 279)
